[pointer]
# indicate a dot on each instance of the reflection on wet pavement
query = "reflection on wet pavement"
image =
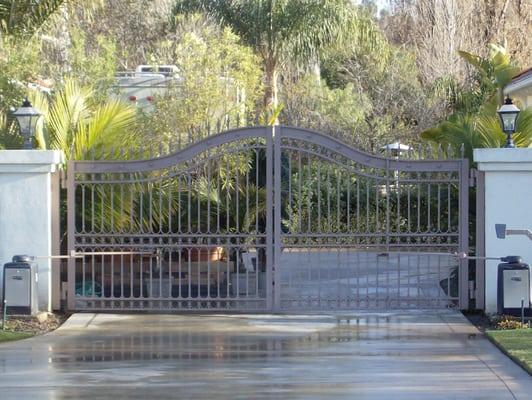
(410, 356)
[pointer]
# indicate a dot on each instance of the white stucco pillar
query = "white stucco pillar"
(27, 211)
(508, 200)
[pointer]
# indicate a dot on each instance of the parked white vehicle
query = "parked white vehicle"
(145, 82)
(142, 85)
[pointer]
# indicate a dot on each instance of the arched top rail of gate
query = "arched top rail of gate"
(367, 159)
(268, 133)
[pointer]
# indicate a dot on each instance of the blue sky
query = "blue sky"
(380, 3)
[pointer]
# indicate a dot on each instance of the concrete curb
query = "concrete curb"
(77, 321)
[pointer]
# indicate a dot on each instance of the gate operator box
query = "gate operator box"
(513, 287)
(20, 286)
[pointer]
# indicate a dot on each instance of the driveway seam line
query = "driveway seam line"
(90, 320)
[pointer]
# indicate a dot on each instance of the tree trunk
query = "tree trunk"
(270, 94)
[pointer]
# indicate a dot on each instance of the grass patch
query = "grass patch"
(6, 336)
(516, 343)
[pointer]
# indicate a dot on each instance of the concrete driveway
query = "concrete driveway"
(411, 355)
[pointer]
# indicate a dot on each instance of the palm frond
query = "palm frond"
(107, 128)
(69, 111)
(523, 136)
(288, 28)
(25, 17)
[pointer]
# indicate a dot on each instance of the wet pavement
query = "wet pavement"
(409, 355)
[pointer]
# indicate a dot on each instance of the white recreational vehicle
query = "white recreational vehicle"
(142, 85)
(145, 82)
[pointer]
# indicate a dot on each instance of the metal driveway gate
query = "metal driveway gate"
(261, 219)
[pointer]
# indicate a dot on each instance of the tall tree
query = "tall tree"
(475, 123)
(283, 31)
(437, 29)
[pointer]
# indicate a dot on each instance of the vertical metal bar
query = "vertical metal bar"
(328, 197)
(398, 205)
(83, 195)
(348, 201)
(131, 186)
(227, 198)
(170, 200)
(399, 279)
(102, 278)
(218, 272)
(275, 145)
(179, 204)
(357, 263)
(428, 208)
(449, 227)
(418, 274)
(318, 180)
(481, 241)
(55, 264)
(309, 195)
(102, 207)
(71, 232)
(387, 204)
(367, 230)
(141, 208)
(358, 203)
(377, 222)
(228, 271)
(438, 213)
(377, 282)
(113, 293)
(132, 277)
(438, 301)
(257, 197)
(179, 267)
(122, 278)
(338, 176)
(198, 269)
(189, 271)
(247, 219)
(290, 214)
(408, 275)
(189, 203)
(93, 273)
(419, 184)
(409, 217)
(299, 183)
(463, 210)
(170, 280)
(237, 269)
(112, 208)
(198, 207)
(237, 200)
(218, 197)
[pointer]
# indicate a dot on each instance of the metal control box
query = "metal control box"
(513, 287)
(20, 286)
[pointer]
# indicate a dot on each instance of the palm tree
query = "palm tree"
(79, 125)
(283, 31)
(463, 133)
(475, 124)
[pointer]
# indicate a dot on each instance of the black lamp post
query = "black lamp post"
(27, 118)
(508, 114)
